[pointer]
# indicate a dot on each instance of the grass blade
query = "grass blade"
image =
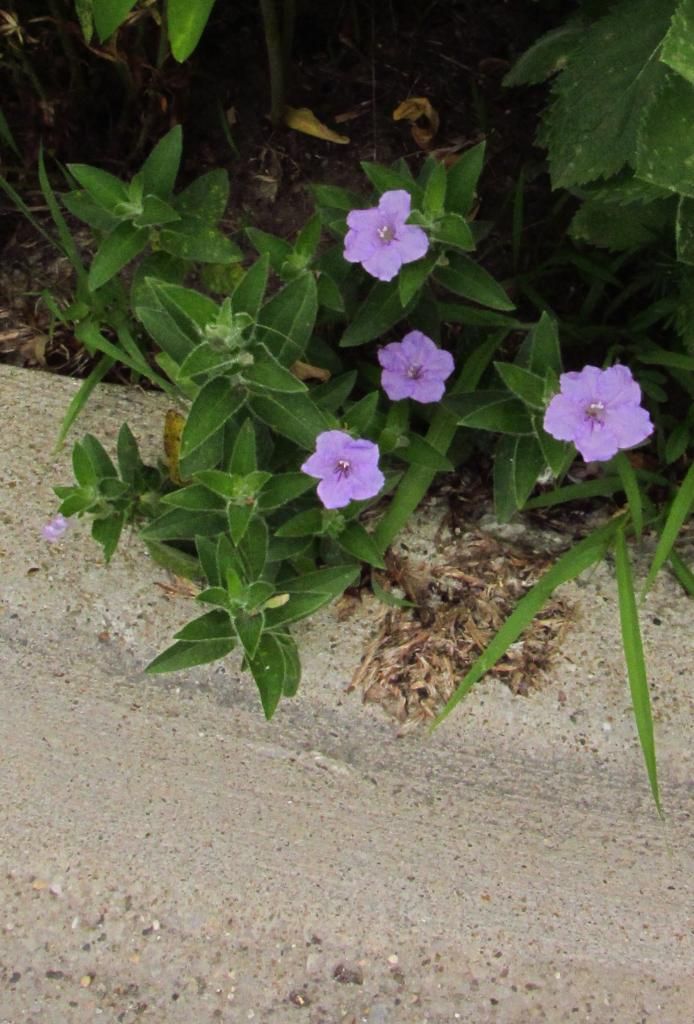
(636, 666)
(66, 240)
(632, 490)
(576, 492)
(78, 402)
(584, 554)
(683, 573)
(679, 512)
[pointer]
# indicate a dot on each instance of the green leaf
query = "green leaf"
(413, 275)
(97, 455)
(332, 394)
(247, 297)
(540, 352)
(249, 629)
(684, 230)
(192, 239)
(592, 127)
(570, 565)
(636, 667)
(283, 488)
(268, 374)
(286, 322)
(294, 416)
(631, 489)
(454, 313)
(292, 664)
(464, 277)
(304, 524)
(205, 198)
(490, 410)
(109, 15)
(525, 385)
(238, 517)
(518, 462)
(176, 561)
(605, 224)
(80, 204)
(453, 230)
(434, 200)
(309, 238)
(186, 654)
(184, 524)
(337, 198)
(276, 249)
(215, 404)
(214, 625)
(186, 22)
(154, 212)
(380, 311)
(558, 454)
(107, 532)
(106, 190)
(679, 512)
(360, 416)
(385, 179)
(332, 579)
(682, 572)
(128, 455)
(549, 55)
(253, 548)
(462, 180)
(269, 671)
(163, 329)
(420, 453)
(356, 541)
(678, 47)
(120, 247)
(195, 497)
(243, 457)
(299, 606)
(160, 169)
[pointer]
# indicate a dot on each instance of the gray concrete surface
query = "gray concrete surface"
(167, 856)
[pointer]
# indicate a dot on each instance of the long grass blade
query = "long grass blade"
(576, 492)
(679, 512)
(683, 573)
(636, 666)
(78, 402)
(66, 240)
(584, 554)
(632, 491)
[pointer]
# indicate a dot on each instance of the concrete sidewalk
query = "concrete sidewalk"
(168, 856)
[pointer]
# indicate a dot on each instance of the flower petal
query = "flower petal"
(397, 385)
(427, 389)
(396, 205)
(412, 243)
(335, 491)
(564, 417)
(384, 263)
(617, 385)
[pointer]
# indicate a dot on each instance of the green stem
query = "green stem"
(273, 42)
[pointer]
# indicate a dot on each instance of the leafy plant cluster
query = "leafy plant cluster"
(617, 130)
(264, 354)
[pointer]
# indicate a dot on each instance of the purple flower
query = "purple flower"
(415, 368)
(380, 239)
(600, 411)
(54, 529)
(347, 468)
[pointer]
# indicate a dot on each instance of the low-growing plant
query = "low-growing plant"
(369, 354)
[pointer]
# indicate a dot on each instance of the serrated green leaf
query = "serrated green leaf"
(592, 126)
(678, 47)
(605, 224)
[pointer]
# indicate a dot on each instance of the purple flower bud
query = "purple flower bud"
(346, 467)
(415, 368)
(54, 529)
(380, 239)
(600, 411)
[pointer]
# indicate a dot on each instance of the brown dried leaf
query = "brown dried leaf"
(423, 118)
(301, 119)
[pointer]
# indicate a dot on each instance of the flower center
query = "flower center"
(342, 468)
(386, 233)
(595, 410)
(414, 371)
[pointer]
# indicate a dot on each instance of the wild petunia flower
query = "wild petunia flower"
(346, 467)
(415, 368)
(380, 239)
(600, 411)
(54, 529)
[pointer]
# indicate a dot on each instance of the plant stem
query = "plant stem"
(273, 42)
